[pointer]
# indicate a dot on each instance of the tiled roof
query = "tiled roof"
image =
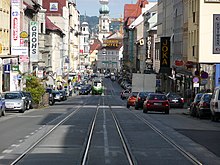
(132, 11)
(95, 46)
(51, 26)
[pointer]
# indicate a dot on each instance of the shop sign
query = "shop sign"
(19, 50)
(15, 68)
(0, 48)
(165, 52)
(15, 27)
(178, 63)
(7, 68)
(24, 34)
(53, 6)
(34, 41)
(213, 1)
(23, 58)
(216, 34)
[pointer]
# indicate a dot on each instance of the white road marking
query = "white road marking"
(1, 157)
(30, 116)
(7, 151)
(27, 136)
(15, 145)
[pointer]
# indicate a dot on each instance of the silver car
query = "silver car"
(14, 101)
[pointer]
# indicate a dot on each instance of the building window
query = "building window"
(193, 51)
(194, 17)
(103, 20)
(103, 27)
(41, 27)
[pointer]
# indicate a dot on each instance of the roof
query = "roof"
(132, 11)
(51, 26)
(95, 46)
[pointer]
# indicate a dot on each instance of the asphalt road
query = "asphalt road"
(151, 138)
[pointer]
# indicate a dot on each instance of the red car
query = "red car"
(156, 102)
(131, 99)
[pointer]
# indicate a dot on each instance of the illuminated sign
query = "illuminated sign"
(111, 43)
(165, 52)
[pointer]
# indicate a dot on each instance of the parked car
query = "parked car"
(84, 90)
(194, 104)
(15, 101)
(131, 99)
(176, 101)
(2, 106)
(156, 102)
(141, 97)
(203, 108)
(30, 100)
(51, 97)
(125, 94)
(63, 95)
(56, 95)
(215, 105)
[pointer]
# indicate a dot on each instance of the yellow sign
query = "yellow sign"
(0, 48)
(24, 34)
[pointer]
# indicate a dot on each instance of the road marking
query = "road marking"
(27, 136)
(1, 157)
(7, 151)
(30, 116)
(15, 145)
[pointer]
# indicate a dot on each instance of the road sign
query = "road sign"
(195, 79)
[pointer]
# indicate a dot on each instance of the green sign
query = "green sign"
(15, 68)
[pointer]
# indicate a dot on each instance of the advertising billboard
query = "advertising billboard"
(216, 34)
(33, 41)
(15, 26)
(165, 52)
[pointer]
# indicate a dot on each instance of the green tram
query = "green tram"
(97, 86)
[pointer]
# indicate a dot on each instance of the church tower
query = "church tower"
(104, 20)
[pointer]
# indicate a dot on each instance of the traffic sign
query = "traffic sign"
(195, 79)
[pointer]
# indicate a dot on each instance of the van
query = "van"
(215, 105)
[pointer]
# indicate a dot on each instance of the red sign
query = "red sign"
(23, 58)
(179, 62)
(15, 28)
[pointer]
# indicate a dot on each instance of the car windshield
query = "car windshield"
(12, 96)
(198, 97)
(157, 97)
(207, 97)
(134, 94)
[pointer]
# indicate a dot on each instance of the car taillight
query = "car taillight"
(216, 105)
(182, 100)
(166, 104)
(148, 104)
(204, 104)
(139, 98)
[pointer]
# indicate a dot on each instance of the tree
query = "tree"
(34, 86)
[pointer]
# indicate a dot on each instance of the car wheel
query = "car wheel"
(28, 107)
(3, 111)
(22, 110)
(167, 111)
(144, 110)
(214, 118)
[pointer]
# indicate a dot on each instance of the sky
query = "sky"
(91, 7)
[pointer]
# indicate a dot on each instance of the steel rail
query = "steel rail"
(125, 146)
(186, 154)
(45, 135)
(88, 143)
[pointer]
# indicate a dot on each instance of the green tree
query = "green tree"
(34, 86)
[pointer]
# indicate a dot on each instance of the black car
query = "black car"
(84, 90)
(51, 97)
(141, 97)
(29, 98)
(176, 101)
(63, 95)
(203, 107)
(194, 104)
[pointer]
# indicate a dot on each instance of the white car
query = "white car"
(14, 101)
(215, 105)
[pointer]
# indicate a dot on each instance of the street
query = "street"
(88, 129)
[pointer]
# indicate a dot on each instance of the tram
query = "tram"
(97, 86)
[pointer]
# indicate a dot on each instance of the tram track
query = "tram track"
(180, 149)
